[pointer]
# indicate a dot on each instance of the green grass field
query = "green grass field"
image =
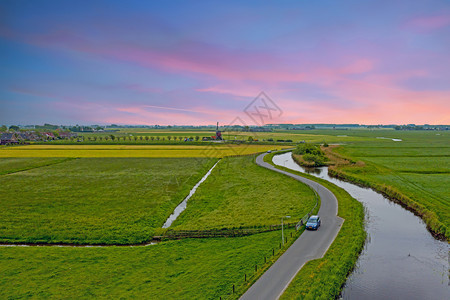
(54, 196)
(183, 269)
(12, 165)
(216, 151)
(311, 136)
(240, 193)
(414, 171)
(94, 200)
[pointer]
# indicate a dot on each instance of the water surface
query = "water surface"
(401, 259)
(182, 206)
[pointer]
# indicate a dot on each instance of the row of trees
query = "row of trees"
(3, 128)
(140, 138)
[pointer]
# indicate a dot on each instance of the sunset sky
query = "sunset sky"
(198, 62)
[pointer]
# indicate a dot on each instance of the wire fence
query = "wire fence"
(171, 234)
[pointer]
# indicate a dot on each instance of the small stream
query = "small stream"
(182, 206)
(401, 259)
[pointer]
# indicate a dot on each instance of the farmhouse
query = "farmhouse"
(8, 138)
(66, 135)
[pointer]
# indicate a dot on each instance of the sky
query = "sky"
(199, 62)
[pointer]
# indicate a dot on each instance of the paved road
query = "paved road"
(310, 245)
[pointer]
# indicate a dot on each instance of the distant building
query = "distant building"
(260, 129)
(67, 134)
(8, 138)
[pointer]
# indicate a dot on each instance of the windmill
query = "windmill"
(218, 133)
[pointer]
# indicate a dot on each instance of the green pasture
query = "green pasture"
(136, 151)
(414, 171)
(12, 165)
(240, 193)
(94, 200)
(182, 269)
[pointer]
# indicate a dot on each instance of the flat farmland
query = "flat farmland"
(240, 193)
(94, 200)
(414, 171)
(216, 151)
(12, 165)
(182, 269)
(121, 201)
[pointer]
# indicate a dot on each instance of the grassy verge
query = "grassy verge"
(240, 193)
(95, 200)
(323, 278)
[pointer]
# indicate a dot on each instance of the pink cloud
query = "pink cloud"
(222, 63)
(237, 90)
(243, 74)
(358, 66)
(148, 115)
(372, 103)
(428, 23)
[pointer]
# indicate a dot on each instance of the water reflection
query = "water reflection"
(401, 259)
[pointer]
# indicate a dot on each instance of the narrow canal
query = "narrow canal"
(182, 206)
(401, 259)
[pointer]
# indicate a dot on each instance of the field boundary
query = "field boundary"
(171, 234)
(63, 160)
(225, 232)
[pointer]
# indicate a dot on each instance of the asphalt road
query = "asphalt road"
(310, 245)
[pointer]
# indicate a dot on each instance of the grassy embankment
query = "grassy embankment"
(323, 278)
(93, 200)
(413, 172)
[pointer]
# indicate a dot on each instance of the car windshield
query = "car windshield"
(312, 221)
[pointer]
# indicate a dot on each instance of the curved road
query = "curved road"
(310, 245)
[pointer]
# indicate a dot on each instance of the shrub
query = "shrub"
(316, 159)
(307, 148)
